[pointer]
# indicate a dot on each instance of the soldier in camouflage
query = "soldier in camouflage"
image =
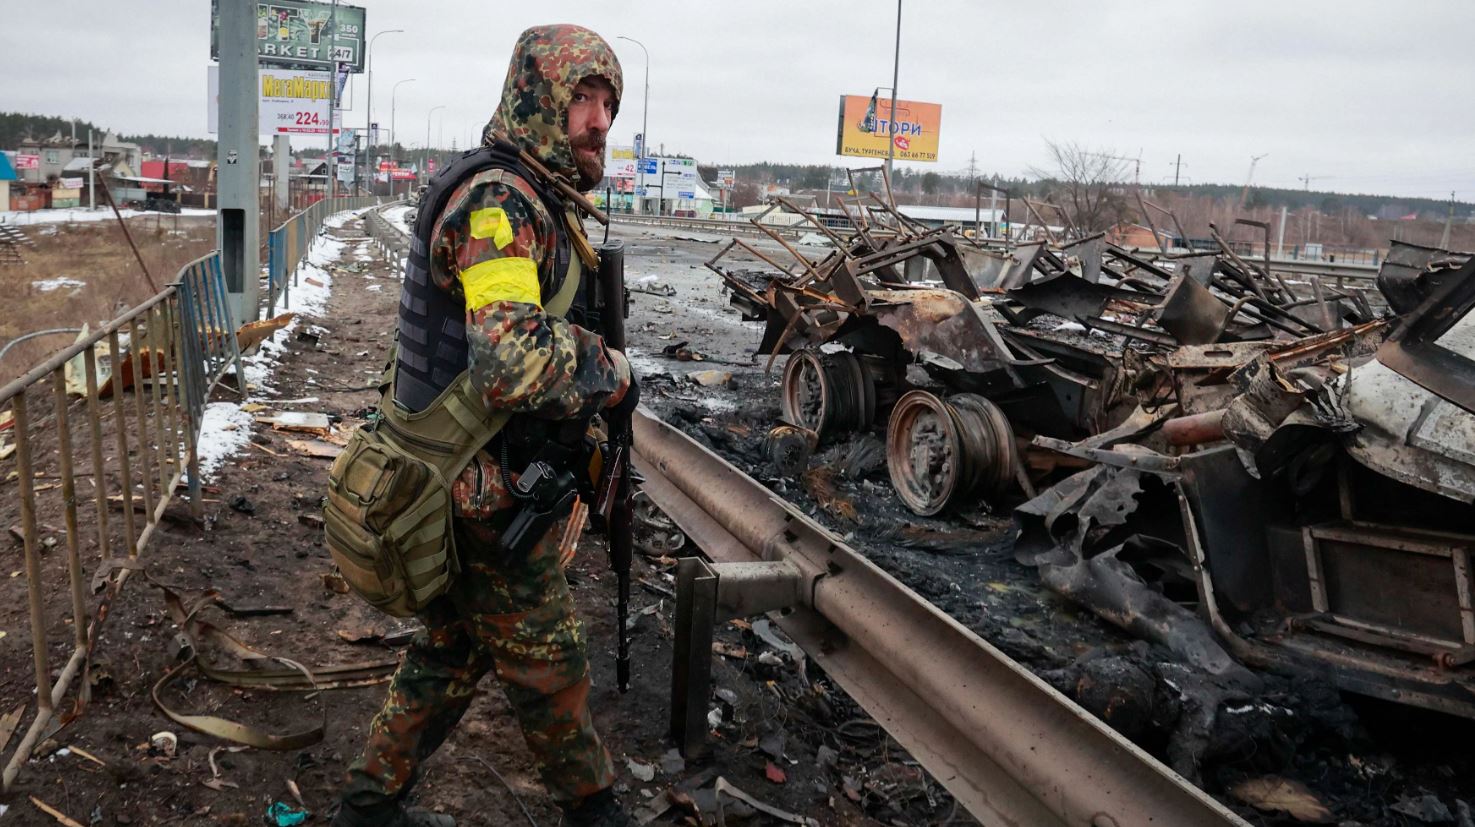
(492, 248)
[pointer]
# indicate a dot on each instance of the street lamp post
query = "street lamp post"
(394, 136)
(425, 162)
(369, 107)
(891, 121)
(644, 123)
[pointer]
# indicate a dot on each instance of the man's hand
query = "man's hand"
(627, 404)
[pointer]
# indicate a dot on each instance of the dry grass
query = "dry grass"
(96, 254)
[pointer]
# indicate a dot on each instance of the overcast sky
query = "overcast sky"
(1361, 95)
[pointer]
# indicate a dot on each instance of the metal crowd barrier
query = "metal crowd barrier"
(121, 412)
(289, 244)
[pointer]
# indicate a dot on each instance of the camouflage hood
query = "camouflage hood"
(547, 63)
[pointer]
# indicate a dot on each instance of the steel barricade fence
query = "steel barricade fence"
(121, 410)
(289, 244)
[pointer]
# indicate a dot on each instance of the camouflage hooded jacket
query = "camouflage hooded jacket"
(495, 237)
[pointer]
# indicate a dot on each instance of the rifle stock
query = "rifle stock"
(614, 504)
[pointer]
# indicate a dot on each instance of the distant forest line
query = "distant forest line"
(16, 127)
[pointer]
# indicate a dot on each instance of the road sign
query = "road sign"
(649, 165)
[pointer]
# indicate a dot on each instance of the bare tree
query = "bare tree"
(1092, 186)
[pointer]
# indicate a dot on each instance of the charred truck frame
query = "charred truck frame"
(1245, 464)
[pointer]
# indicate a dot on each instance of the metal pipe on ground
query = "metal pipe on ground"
(1011, 749)
(1195, 429)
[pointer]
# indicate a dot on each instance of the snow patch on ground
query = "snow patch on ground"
(644, 365)
(224, 430)
(48, 285)
(70, 216)
(338, 219)
(307, 298)
(400, 217)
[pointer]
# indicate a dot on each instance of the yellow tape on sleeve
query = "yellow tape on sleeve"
(501, 280)
(492, 223)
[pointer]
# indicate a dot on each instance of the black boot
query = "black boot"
(599, 810)
(392, 815)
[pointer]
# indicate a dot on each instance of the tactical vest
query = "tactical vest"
(432, 346)
(388, 511)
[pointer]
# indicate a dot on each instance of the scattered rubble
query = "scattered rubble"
(1262, 475)
(1219, 394)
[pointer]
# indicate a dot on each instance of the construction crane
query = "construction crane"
(1244, 194)
(1307, 179)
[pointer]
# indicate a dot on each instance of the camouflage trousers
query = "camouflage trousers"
(515, 616)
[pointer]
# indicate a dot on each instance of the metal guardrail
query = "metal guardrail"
(1338, 272)
(393, 242)
(289, 244)
(156, 364)
(1010, 748)
(726, 226)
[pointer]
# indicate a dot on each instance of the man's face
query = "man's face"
(589, 118)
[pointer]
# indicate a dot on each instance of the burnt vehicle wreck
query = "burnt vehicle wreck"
(1240, 462)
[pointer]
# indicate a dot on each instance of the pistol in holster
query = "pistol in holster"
(555, 457)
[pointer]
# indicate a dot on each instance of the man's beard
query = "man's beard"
(591, 171)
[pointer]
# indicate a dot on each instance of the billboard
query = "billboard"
(27, 161)
(296, 34)
(289, 102)
(620, 162)
(864, 123)
(726, 178)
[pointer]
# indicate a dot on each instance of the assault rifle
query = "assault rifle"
(612, 502)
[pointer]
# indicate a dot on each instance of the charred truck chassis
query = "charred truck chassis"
(1246, 394)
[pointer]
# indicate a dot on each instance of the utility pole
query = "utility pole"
(281, 165)
(369, 105)
(1177, 168)
(1448, 220)
(394, 136)
(91, 172)
(640, 151)
(1280, 237)
(425, 162)
(238, 177)
(329, 161)
(891, 120)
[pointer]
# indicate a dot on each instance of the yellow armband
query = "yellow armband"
(501, 280)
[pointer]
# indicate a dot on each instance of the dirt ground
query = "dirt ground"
(1366, 762)
(793, 743)
(782, 734)
(85, 273)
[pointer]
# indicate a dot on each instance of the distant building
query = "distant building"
(7, 174)
(196, 175)
(42, 160)
(1135, 237)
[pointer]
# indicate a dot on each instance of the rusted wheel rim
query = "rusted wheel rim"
(992, 456)
(941, 453)
(804, 400)
(827, 393)
(923, 451)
